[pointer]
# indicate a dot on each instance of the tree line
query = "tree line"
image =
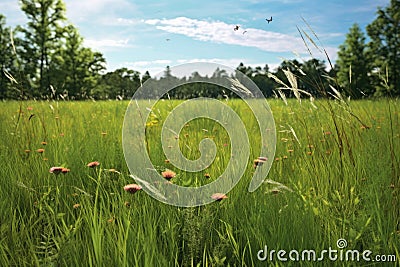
(46, 59)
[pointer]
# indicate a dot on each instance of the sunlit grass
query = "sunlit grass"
(341, 181)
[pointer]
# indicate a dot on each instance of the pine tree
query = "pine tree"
(352, 64)
(145, 77)
(384, 47)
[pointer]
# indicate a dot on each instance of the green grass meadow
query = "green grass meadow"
(336, 167)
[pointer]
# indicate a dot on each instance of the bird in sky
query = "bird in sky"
(244, 32)
(269, 20)
(236, 28)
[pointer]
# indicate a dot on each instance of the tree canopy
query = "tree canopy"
(353, 64)
(384, 48)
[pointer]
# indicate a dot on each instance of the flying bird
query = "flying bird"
(236, 28)
(269, 20)
(167, 39)
(244, 32)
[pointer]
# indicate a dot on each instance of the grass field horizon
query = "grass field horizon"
(335, 176)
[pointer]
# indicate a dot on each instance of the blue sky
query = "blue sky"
(149, 35)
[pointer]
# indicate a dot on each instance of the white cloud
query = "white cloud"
(125, 22)
(158, 66)
(9, 6)
(12, 11)
(233, 62)
(220, 32)
(151, 62)
(152, 66)
(106, 43)
(86, 10)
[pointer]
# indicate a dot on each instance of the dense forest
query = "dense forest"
(46, 59)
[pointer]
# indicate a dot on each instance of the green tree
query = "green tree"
(6, 58)
(384, 47)
(75, 70)
(260, 77)
(167, 81)
(263, 82)
(313, 78)
(41, 37)
(352, 63)
(248, 71)
(119, 84)
(294, 66)
(93, 66)
(146, 76)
